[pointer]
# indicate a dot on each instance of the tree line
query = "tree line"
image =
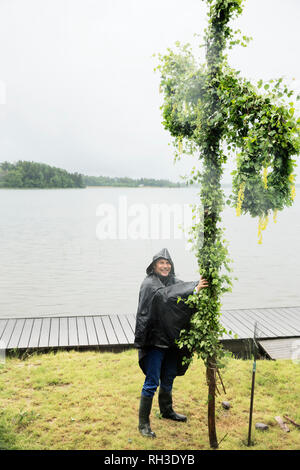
(125, 181)
(25, 174)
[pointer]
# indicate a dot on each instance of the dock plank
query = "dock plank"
(54, 333)
(63, 339)
(35, 333)
(112, 339)
(126, 328)
(45, 332)
(131, 318)
(119, 332)
(26, 333)
(100, 331)
(73, 333)
(82, 334)
(15, 337)
(2, 327)
(7, 333)
(91, 332)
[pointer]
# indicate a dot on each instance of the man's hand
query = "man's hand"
(202, 283)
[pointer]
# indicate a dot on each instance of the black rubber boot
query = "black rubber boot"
(166, 408)
(144, 414)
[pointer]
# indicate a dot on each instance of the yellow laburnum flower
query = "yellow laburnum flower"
(265, 222)
(275, 216)
(180, 146)
(265, 177)
(293, 190)
(262, 225)
(240, 199)
(292, 178)
(259, 237)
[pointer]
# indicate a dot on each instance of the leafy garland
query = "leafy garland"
(209, 109)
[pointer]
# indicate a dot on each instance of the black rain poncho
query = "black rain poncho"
(160, 318)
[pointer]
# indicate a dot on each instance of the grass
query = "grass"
(90, 400)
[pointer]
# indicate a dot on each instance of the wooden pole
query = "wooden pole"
(211, 381)
(251, 403)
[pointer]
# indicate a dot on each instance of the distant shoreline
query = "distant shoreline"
(106, 186)
(225, 185)
(113, 186)
(33, 175)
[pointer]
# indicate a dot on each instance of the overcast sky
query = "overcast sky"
(77, 86)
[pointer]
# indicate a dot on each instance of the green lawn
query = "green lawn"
(90, 400)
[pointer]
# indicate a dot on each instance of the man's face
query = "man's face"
(162, 267)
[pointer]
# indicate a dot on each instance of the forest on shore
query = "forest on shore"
(125, 181)
(25, 174)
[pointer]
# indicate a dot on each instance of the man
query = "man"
(159, 320)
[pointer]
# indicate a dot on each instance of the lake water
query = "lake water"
(54, 262)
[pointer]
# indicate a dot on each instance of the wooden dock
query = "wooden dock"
(116, 332)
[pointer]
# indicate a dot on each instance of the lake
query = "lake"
(85, 251)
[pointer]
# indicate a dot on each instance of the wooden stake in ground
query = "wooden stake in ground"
(291, 421)
(211, 382)
(255, 348)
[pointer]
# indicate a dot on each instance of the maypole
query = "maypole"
(213, 112)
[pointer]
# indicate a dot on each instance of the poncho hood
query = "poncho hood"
(164, 253)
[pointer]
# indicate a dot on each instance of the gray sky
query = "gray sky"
(77, 86)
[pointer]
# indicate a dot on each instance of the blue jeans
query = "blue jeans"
(160, 364)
